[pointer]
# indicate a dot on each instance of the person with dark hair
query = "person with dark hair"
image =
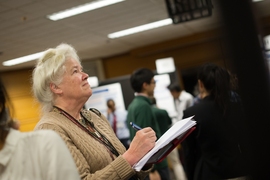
(140, 111)
(118, 120)
(217, 149)
(62, 88)
(31, 155)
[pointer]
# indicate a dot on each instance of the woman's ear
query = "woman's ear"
(55, 89)
(202, 90)
(200, 85)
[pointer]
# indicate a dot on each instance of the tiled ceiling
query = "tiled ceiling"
(24, 28)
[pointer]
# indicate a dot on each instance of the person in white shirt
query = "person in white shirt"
(39, 155)
(182, 99)
(118, 121)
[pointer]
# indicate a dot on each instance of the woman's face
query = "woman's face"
(74, 84)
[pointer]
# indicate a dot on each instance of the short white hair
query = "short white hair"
(50, 69)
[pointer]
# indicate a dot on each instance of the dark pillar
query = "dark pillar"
(253, 74)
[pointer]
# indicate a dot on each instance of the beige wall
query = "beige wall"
(188, 52)
(18, 85)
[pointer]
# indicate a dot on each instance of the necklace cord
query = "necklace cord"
(96, 134)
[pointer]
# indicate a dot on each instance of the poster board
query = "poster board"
(101, 94)
(163, 96)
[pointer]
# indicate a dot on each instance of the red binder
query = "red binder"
(163, 152)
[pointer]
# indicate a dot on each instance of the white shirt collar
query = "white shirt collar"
(140, 94)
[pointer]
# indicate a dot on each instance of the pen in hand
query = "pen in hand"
(136, 127)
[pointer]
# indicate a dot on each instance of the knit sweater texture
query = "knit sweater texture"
(92, 158)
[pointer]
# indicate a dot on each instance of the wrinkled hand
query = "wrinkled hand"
(143, 142)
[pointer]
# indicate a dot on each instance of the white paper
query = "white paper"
(176, 130)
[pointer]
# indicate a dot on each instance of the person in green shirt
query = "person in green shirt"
(140, 111)
(162, 116)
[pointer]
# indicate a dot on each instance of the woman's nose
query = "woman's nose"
(85, 75)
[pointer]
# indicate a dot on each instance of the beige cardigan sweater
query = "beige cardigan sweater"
(91, 157)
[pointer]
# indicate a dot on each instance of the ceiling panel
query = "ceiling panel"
(15, 3)
(24, 28)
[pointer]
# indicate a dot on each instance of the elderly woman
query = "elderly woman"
(39, 155)
(61, 86)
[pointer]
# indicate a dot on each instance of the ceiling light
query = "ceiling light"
(23, 59)
(82, 9)
(140, 28)
(256, 0)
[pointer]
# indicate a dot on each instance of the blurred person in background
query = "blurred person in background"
(182, 100)
(165, 122)
(118, 120)
(162, 116)
(140, 112)
(61, 86)
(217, 149)
(196, 92)
(31, 155)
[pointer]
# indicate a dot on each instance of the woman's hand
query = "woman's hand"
(142, 143)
